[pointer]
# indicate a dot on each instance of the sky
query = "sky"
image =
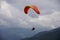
(12, 14)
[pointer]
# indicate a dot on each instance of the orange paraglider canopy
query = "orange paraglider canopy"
(35, 8)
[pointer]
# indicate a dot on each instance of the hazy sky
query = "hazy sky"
(12, 14)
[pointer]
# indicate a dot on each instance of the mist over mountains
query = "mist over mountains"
(15, 33)
(47, 35)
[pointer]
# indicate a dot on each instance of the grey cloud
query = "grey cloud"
(49, 20)
(20, 16)
(45, 6)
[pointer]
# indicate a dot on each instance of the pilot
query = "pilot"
(33, 28)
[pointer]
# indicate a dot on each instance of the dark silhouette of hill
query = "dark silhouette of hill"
(1, 35)
(46, 35)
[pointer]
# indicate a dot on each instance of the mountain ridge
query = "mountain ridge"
(46, 35)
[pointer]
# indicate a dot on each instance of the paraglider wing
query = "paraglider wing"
(26, 9)
(33, 7)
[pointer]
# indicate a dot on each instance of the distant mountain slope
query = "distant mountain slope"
(13, 33)
(47, 35)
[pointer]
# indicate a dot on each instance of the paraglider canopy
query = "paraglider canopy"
(34, 7)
